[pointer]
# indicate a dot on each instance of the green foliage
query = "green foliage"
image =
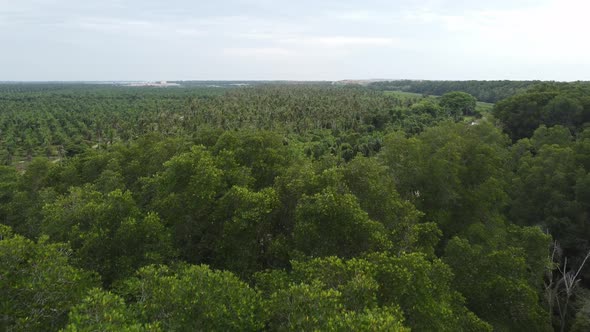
(330, 223)
(376, 192)
(191, 298)
(37, 283)
(309, 307)
(266, 154)
(301, 302)
(423, 291)
(410, 285)
(8, 186)
(23, 211)
(303, 308)
(454, 173)
(497, 284)
(104, 311)
(582, 319)
(183, 194)
(107, 232)
(246, 244)
(345, 207)
(550, 188)
(488, 91)
(353, 279)
(378, 319)
(458, 103)
(550, 104)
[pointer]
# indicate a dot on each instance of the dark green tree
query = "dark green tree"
(458, 103)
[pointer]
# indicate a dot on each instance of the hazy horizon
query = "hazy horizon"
(270, 80)
(263, 40)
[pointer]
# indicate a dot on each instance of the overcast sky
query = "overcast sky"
(294, 40)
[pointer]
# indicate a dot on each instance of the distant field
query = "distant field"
(483, 106)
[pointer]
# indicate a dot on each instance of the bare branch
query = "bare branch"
(583, 263)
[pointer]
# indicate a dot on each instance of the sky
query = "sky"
(145, 40)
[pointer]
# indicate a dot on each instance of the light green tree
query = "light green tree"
(37, 283)
(190, 297)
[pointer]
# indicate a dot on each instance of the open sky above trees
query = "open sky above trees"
(294, 40)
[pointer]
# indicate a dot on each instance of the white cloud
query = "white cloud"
(257, 52)
(546, 33)
(113, 25)
(342, 41)
(355, 16)
(307, 44)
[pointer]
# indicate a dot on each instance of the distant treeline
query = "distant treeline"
(230, 84)
(488, 91)
(57, 120)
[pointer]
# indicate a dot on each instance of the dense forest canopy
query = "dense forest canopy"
(486, 91)
(284, 206)
(547, 104)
